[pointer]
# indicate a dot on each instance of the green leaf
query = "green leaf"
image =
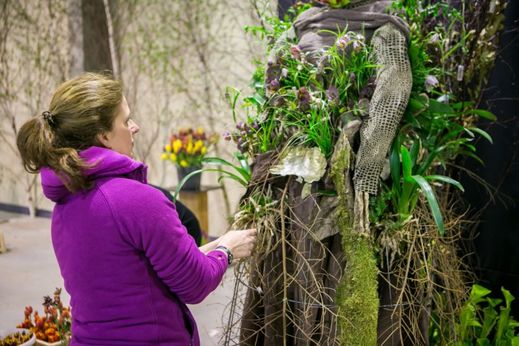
(232, 95)
(415, 150)
(407, 164)
(440, 108)
(227, 174)
(489, 321)
(394, 163)
(242, 159)
(472, 155)
(493, 302)
(429, 160)
(418, 104)
(483, 133)
(482, 113)
(508, 297)
(502, 324)
(433, 203)
(483, 342)
(458, 106)
(244, 172)
(183, 181)
(477, 293)
(256, 100)
(445, 179)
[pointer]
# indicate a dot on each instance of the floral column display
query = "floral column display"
(355, 121)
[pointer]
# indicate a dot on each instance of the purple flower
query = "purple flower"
(241, 145)
(227, 136)
(303, 98)
(240, 125)
(332, 93)
(434, 38)
(277, 101)
(296, 52)
(352, 77)
(368, 90)
(357, 46)
(273, 85)
(343, 42)
(322, 63)
(431, 82)
(255, 125)
(273, 72)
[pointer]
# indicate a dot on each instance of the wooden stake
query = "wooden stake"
(3, 247)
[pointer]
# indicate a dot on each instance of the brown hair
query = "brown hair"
(80, 109)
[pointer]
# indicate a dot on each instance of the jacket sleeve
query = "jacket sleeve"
(150, 223)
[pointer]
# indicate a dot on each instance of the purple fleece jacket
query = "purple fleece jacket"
(128, 263)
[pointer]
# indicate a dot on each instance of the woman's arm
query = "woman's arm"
(152, 226)
(209, 246)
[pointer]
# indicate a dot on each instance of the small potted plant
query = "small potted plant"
(186, 149)
(17, 337)
(54, 327)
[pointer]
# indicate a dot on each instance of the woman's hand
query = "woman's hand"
(239, 242)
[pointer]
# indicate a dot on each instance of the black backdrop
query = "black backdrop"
(496, 246)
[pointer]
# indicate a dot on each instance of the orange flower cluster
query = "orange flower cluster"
(188, 147)
(52, 327)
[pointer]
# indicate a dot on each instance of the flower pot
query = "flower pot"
(44, 343)
(8, 332)
(193, 183)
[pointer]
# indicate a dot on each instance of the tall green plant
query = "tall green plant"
(239, 173)
(482, 321)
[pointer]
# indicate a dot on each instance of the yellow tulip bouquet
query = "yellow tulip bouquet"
(188, 147)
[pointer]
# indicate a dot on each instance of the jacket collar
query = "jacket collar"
(106, 163)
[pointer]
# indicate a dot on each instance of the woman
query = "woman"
(127, 262)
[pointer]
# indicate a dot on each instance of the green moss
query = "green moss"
(357, 295)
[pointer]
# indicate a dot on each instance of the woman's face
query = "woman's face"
(120, 138)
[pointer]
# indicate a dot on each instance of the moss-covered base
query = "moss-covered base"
(357, 295)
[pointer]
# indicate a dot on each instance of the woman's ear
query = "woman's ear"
(104, 139)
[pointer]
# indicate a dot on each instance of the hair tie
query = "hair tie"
(48, 117)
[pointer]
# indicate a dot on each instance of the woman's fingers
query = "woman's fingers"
(240, 242)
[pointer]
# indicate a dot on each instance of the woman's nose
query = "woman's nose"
(134, 127)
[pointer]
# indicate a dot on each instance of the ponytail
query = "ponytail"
(80, 110)
(35, 141)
